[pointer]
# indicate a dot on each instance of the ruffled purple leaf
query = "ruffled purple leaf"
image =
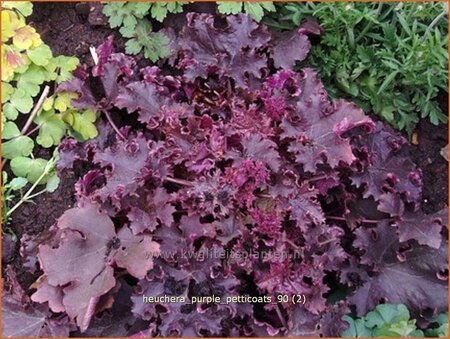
(413, 276)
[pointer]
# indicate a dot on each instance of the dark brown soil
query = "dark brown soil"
(70, 29)
(435, 168)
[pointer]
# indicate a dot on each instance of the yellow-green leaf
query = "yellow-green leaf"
(47, 105)
(22, 101)
(10, 23)
(10, 130)
(11, 60)
(83, 124)
(26, 37)
(28, 168)
(63, 101)
(20, 146)
(25, 8)
(40, 55)
(52, 129)
(7, 91)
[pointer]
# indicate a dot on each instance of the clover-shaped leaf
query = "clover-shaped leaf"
(10, 130)
(19, 146)
(31, 169)
(22, 101)
(40, 55)
(51, 130)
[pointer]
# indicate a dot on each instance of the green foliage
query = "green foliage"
(24, 8)
(30, 72)
(385, 321)
(160, 10)
(391, 58)
(154, 44)
(39, 171)
(439, 329)
(28, 168)
(125, 13)
(18, 146)
(130, 17)
(388, 320)
(9, 189)
(256, 10)
(82, 124)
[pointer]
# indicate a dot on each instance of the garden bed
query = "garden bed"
(70, 28)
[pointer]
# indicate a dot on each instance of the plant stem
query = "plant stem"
(29, 194)
(433, 23)
(290, 242)
(26, 196)
(94, 54)
(35, 110)
(351, 38)
(179, 181)
(33, 130)
(113, 125)
(319, 177)
(325, 242)
(369, 24)
(280, 316)
(108, 116)
(365, 221)
(36, 194)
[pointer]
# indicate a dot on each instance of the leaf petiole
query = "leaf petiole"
(36, 194)
(29, 195)
(35, 110)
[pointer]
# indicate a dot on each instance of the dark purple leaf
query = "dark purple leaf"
(425, 229)
(143, 98)
(126, 167)
(318, 126)
(387, 166)
(21, 318)
(232, 51)
(103, 53)
(289, 48)
(411, 276)
(83, 262)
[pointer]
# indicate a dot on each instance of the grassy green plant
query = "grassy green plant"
(131, 18)
(33, 112)
(391, 58)
(388, 320)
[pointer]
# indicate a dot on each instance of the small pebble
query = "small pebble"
(444, 152)
(415, 139)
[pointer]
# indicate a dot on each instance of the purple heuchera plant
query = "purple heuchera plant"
(237, 153)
